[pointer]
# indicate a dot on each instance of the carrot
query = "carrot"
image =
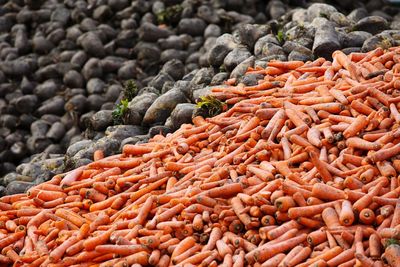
(284, 203)
(374, 246)
(11, 239)
(346, 216)
(366, 200)
(357, 125)
(286, 65)
(309, 210)
(184, 245)
(226, 191)
(327, 192)
(45, 195)
(121, 250)
(325, 174)
(267, 251)
(125, 164)
(384, 154)
(215, 235)
(274, 261)
(299, 257)
(342, 257)
(391, 255)
(58, 252)
(367, 216)
(141, 258)
(223, 249)
(238, 209)
(330, 218)
(279, 231)
(396, 215)
(92, 242)
(136, 150)
(98, 155)
(70, 216)
(72, 176)
(290, 255)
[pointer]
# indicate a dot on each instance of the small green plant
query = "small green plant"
(280, 36)
(209, 106)
(129, 92)
(119, 111)
(170, 15)
(391, 241)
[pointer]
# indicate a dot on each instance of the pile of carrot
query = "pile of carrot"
(302, 170)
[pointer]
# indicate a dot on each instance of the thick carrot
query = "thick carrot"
(274, 261)
(308, 211)
(346, 216)
(184, 245)
(325, 174)
(367, 199)
(93, 242)
(58, 252)
(343, 257)
(392, 255)
(374, 246)
(290, 255)
(11, 239)
(98, 155)
(396, 215)
(299, 257)
(327, 192)
(384, 154)
(186, 254)
(70, 216)
(72, 176)
(267, 251)
(367, 216)
(136, 150)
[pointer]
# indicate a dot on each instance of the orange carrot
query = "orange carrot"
(93, 242)
(367, 216)
(346, 215)
(308, 211)
(327, 192)
(267, 251)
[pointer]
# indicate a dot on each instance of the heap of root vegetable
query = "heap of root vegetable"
(302, 170)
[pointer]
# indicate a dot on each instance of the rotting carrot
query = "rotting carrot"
(392, 255)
